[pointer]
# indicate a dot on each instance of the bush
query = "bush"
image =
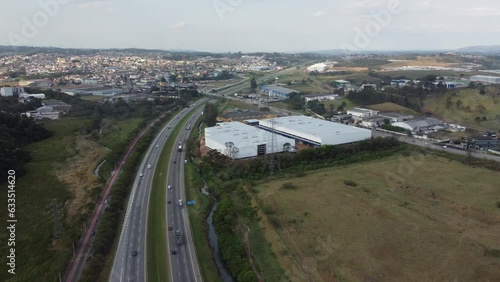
(300, 174)
(350, 183)
(275, 221)
(289, 186)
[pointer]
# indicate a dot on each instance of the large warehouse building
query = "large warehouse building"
(312, 131)
(276, 91)
(238, 141)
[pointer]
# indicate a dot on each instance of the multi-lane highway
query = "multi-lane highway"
(130, 258)
(182, 258)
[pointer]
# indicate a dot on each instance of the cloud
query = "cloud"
(420, 6)
(480, 12)
(363, 5)
(94, 5)
(178, 25)
(318, 14)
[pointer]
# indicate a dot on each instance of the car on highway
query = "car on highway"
(169, 187)
(106, 201)
(170, 228)
(156, 146)
(141, 174)
(180, 203)
(174, 252)
(149, 166)
(169, 202)
(134, 253)
(93, 233)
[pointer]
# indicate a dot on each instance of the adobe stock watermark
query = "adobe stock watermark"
(40, 19)
(308, 268)
(363, 37)
(223, 7)
(406, 168)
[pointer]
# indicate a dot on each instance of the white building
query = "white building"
(321, 97)
(238, 141)
(422, 125)
(38, 96)
(486, 79)
(362, 113)
(314, 131)
(321, 67)
(6, 91)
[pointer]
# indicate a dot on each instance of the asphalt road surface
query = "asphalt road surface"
(182, 257)
(128, 265)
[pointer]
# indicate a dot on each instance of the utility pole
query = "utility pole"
(272, 160)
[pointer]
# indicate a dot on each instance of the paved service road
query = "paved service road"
(130, 258)
(430, 144)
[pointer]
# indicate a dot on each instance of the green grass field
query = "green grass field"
(39, 257)
(391, 107)
(473, 105)
(414, 218)
(349, 104)
(116, 131)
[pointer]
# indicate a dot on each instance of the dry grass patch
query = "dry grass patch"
(439, 224)
(78, 171)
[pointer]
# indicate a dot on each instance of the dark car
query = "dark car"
(169, 201)
(170, 228)
(174, 252)
(93, 233)
(134, 253)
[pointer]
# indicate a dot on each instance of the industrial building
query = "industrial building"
(362, 113)
(321, 97)
(92, 90)
(238, 141)
(276, 91)
(422, 125)
(6, 92)
(485, 79)
(321, 67)
(316, 132)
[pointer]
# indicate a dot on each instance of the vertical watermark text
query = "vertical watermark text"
(11, 221)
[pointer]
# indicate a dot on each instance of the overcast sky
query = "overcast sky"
(252, 25)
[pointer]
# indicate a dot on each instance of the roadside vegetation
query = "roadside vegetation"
(60, 179)
(199, 212)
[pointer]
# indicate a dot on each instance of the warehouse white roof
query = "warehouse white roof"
(238, 133)
(316, 130)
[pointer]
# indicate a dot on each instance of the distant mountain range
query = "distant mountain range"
(491, 49)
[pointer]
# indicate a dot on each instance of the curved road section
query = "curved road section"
(130, 258)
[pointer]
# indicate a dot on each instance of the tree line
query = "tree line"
(16, 132)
